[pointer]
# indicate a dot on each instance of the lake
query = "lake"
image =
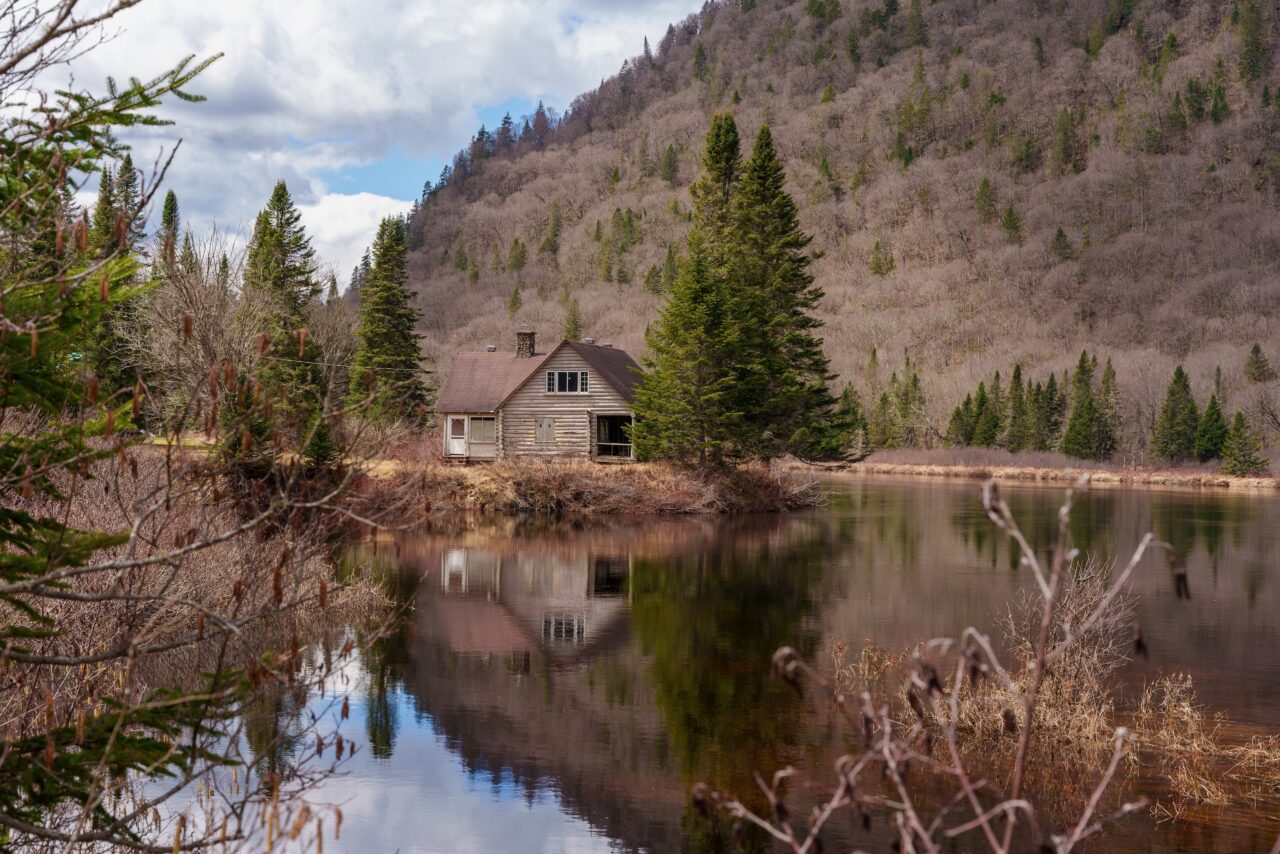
(558, 685)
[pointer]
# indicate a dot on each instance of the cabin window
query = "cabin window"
(563, 627)
(484, 431)
(568, 382)
(545, 429)
(457, 428)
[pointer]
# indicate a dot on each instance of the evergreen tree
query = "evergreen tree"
(514, 302)
(1082, 435)
(128, 202)
(669, 165)
(986, 419)
(572, 328)
(960, 427)
(1242, 450)
(188, 261)
(1055, 407)
(102, 231)
(682, 401)
(1254, 50)
(387, 364)
(1108, 405)
(280, 268)
(279, 261)
(882, 261)
(517, 255)
(1061, 246)
(551, 236)
(1257, 369)
(882, 431)
(670, 268)
(1218, 105)
(784, 386)
(1012, 224)
(1019, 425)
(1063, 156)
(917, 29)
(713, 193)
(170, 227)
(984, 200)
(1175, 429)
(1211, 434)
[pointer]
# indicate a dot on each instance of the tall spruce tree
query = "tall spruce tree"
(128, 202)
(386, 368)
(280, 262)
(683, 402)
(1082, 437)
(102, 230)
(1175, 429)
(1257, 369)
(1108, 404)
(170, 228)
(1019, 426)
(960, 427)
(1211, 433)
(1242, 450)
(784, 384)
(280, 270)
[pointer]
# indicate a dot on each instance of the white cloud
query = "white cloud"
(311, 88)
(341, 225)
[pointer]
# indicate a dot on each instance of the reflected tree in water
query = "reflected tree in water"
(708, 621)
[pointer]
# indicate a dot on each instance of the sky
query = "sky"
(354, 103)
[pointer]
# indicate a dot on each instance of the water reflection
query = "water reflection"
(587, 673)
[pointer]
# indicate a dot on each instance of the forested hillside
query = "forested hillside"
(986, 183)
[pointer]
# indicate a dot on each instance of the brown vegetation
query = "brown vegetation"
(594, 489)
(984, 463)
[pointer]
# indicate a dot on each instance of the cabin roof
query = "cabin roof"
(482, 382)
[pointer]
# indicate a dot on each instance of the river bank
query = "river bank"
(592, 489)
(1041, 468)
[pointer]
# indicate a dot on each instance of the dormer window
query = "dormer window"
(568, 382)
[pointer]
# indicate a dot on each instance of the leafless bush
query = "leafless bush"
(963, 703)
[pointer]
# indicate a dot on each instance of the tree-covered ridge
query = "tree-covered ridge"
(985, 184)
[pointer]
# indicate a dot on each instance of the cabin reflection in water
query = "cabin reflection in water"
(504, 604)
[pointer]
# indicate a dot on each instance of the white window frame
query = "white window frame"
(554, 377)
(487, 421)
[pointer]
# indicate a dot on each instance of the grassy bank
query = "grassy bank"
(984, 463)
(592, 489)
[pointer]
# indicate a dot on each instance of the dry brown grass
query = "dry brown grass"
(589, 488)
(1043, 467)
(1184, 741)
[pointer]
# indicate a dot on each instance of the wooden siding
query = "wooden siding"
(574, 413)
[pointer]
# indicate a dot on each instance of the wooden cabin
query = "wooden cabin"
(574, 402)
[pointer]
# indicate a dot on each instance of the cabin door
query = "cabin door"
(456, 443)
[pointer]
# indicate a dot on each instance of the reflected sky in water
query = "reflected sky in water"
(558, 686)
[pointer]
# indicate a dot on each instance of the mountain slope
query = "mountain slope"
(1136, 127)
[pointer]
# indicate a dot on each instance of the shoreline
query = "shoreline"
(1112, 478)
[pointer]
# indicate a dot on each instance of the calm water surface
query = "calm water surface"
(558, 686)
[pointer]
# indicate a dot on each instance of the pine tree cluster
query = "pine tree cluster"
(735, 368)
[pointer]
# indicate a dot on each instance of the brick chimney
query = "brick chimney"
(524, 343)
